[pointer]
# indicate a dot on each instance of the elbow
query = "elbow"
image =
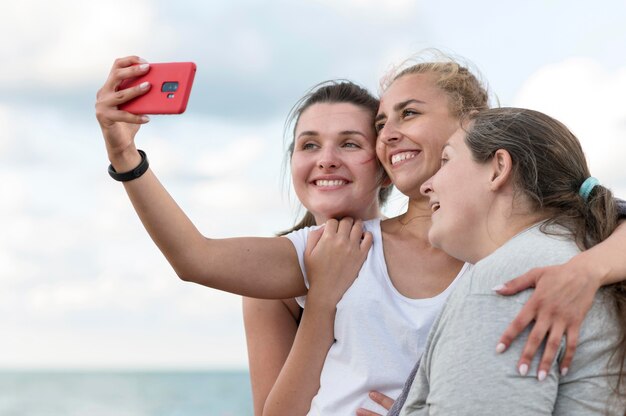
(187, 274)
(184, 276)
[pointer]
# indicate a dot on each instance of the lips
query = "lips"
(402, 156)
(434, 207)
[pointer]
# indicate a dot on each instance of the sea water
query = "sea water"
(125, 393)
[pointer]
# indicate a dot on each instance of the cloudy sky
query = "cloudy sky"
(81, 284)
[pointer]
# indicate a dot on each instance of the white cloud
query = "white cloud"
(69, 42)
(589, 100)
(78, 265)
(232, 158)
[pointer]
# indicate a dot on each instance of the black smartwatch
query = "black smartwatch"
(133, 174)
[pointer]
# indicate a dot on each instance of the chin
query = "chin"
(434, 237)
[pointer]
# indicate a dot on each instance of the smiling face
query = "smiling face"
(334, 168)
(460, 199)
(413, 123)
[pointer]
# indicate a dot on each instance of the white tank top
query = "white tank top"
(380, 334)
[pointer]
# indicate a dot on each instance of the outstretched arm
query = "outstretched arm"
(333, 259)
(271, 326)
(227, 264)
(563, 295)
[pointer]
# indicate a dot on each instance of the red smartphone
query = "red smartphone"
(169, 92)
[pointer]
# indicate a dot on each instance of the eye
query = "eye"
(407, 112)
(444, 160)
(379, 126)
(351, 145)
(309, 146)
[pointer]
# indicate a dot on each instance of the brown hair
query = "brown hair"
(465, 90)
(549, 167)
(332, 92)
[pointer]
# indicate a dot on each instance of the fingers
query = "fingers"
(331, 226)
(570, 350)
(521, 321)
(552, 346)
(381, 399)
(124, 68)
(535, 338)
(314, 238)
(366, 242)
(345, 226)
(523, 282)
(109, 98)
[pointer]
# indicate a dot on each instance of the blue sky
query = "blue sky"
(81, 284)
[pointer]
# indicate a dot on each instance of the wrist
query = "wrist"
(321, 301)
(597, 273)
(124, 160)
(134, 173)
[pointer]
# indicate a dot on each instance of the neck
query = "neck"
(415, 222)
(497, 230)
(369, 214)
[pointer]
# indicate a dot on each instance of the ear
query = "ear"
(502, 169)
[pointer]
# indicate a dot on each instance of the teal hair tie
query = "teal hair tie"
(587, 187)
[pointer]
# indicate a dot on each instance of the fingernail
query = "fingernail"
(143, 61)
(143, 67)
(497, 287)
(542, 375)
(145, 119)
(523, 369)
(500, 347)
(564, 371)
(144, 85)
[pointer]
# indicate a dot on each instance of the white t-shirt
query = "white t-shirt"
(380, 334)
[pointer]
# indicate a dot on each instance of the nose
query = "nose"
(328, 159)
(427, 187)
(389, 134)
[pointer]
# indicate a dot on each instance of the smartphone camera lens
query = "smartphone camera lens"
(169, 86)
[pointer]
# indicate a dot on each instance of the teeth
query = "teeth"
(336, 182)
(402, 156)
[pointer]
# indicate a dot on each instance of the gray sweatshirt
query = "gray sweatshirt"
(460, 372)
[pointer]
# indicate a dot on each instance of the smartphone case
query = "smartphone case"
(162, 98)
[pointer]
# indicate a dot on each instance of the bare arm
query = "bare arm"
(562, 298)
(332, 265)
(271, 327)
(226, 264)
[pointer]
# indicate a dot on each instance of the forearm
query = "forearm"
(605, 261)
(168, 226)
(299, 381)
(225, 264)
(270, 327)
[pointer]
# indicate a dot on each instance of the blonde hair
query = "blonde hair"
(466, 90)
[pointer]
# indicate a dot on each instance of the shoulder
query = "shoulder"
(299, 237)
(533, 247)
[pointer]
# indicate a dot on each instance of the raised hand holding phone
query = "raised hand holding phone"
(170, 89)
(128, 87)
